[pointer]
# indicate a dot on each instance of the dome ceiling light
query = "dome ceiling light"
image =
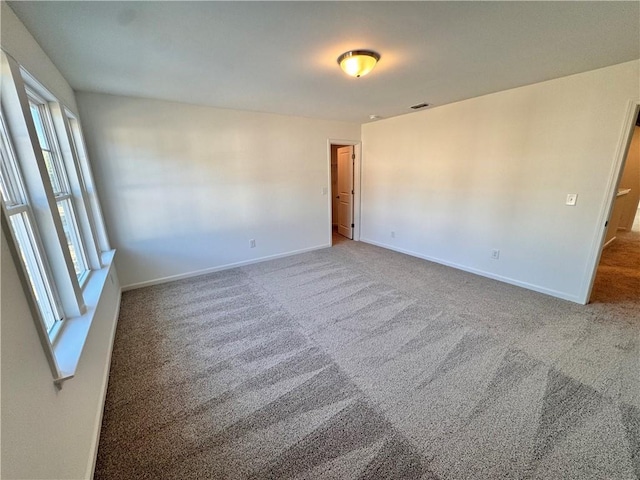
(358, 63)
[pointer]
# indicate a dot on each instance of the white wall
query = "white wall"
(184, 188)
(493, 172)
(47, 433)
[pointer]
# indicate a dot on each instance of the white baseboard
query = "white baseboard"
(611, 240)
(219, 268)
(482, 273)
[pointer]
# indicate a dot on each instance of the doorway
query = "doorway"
(344, 204)
(616, 275)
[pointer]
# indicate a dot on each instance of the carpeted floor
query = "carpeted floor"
(355, 362)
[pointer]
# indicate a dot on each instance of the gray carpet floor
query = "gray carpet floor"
(354, 362)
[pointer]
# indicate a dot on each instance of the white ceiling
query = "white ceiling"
(280, 57)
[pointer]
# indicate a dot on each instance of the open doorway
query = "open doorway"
(617, 274)
(344, 211)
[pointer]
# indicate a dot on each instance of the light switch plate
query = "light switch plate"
(572, 198)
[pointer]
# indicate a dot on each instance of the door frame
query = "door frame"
(615, 174)
(357, 172)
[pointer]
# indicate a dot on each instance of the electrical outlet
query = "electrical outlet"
(495, 254)
(572, 198)
(393, 234)
(252, 243)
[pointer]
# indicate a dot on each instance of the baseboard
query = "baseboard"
(482, 273)
(227, 266)
(105, 383)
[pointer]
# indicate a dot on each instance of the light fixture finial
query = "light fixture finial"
(358, 63)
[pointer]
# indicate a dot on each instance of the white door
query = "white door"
(345, 191)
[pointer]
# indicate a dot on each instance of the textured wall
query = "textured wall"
(184, 188)
(47, 433)
(493, 172)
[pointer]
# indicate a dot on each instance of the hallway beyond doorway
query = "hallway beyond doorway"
(336, 238)
(618, 276)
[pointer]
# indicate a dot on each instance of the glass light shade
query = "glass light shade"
(358, 62)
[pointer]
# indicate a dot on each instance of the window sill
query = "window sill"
(70, 341)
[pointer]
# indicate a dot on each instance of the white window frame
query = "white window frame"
(95, 226)
(78, 303)
(63, 195)
(27, 238)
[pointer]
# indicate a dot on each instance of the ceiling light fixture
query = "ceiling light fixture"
(358, 62)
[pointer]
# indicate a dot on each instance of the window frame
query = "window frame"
(27, 238)
(64, 196)
(78, 303)
(96, 227)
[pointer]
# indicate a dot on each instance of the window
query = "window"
(86, 184)
(26, 235)
(52, 215)
(59, 182)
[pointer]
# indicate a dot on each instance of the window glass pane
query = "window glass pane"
(9, 195)
(73, 238)
(21, 227)
(51, 161)
(9, 178)
(76, 142)
(91, 237)
(37, 119)
(55, 183)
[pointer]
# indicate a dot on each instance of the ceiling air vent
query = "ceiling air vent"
(419, 105)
